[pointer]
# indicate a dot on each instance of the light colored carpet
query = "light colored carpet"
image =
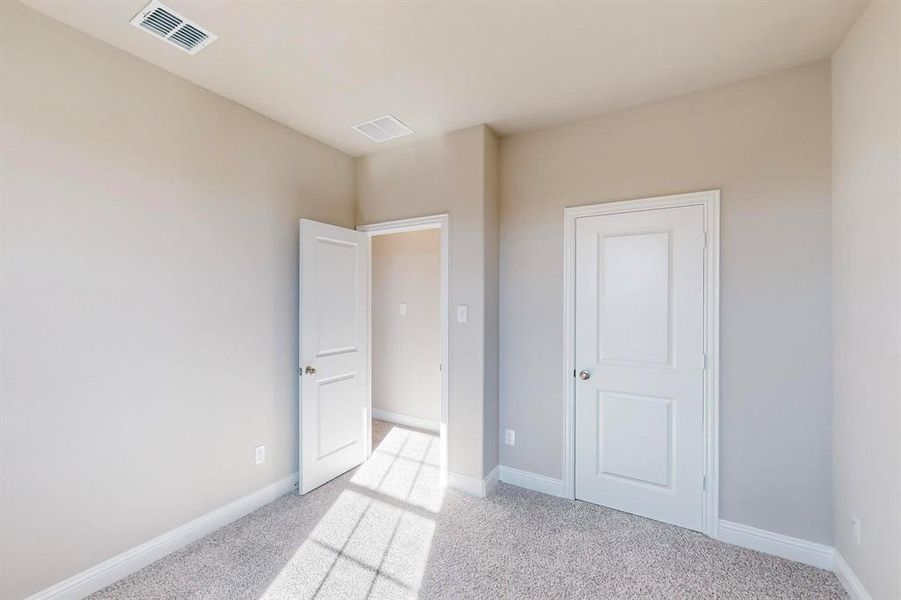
(387, 530)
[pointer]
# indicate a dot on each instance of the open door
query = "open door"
(335, 425)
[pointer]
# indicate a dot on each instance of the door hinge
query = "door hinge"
(705, 361)
(704, 482)
(706, 239)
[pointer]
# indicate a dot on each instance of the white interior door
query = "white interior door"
(639, 354)
(335, 427)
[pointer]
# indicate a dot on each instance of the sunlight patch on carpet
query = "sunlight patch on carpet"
(405, 466)
(361, 548)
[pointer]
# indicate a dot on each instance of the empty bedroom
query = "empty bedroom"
(450, 299)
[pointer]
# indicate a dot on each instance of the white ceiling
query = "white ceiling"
(321, 67)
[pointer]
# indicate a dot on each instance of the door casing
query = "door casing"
(441, 222)
(710, 201)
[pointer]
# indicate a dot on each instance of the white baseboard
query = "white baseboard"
(492, 479)
(111, 570)
(399, 419)
(470, 485)
(811, 553)
(473, 486)
(849, 580)
(130, 561)
(532, 481)
(777, 544)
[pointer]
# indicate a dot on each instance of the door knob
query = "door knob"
(584, 375)
(310, 370)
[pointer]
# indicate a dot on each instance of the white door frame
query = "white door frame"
(418, 224)
(710, 201)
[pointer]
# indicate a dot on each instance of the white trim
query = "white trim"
(408, 420)
(441, 222)
(710, 200)
(533, 481)
(404, 225)
(777, 544)
(111, 570)
(492, 479)
(472, 486)
(849, 579)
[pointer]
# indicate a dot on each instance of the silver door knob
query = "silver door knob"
(310, 370)
(584, 375)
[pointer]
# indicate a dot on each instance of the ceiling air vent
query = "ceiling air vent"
(383, 129)
(163, 22)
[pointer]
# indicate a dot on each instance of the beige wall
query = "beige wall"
(149, 279)
(766, 144)
(406, 349)
(149, 305)
(866, 230)
(492, 298)
(438, 175)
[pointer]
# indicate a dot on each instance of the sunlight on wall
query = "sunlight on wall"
(405, 466)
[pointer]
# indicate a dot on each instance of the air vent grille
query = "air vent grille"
(163, 22)
(383, 129)
(188, 37)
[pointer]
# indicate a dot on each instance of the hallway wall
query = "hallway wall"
(406, 348)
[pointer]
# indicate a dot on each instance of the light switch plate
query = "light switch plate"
(259, 455)
(855, 529)
(462, 313)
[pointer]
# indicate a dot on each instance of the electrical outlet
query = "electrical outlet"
(855, 529)
(259, 455)
(509, 437)
(403, 309)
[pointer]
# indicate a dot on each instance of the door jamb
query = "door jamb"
(440, 221)
(710, 201)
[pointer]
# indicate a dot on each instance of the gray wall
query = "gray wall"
(766, 144)
(406, 349)
(149, 305)
(866, 231)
